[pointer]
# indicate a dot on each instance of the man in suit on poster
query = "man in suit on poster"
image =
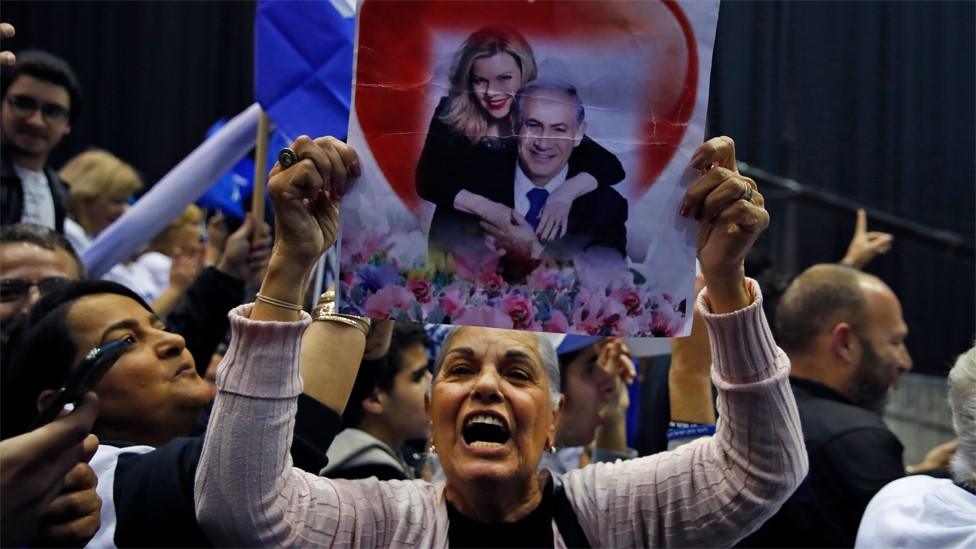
(550, 122)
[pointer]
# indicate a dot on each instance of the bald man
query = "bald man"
(844, 333)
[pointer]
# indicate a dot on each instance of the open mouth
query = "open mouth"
(485, 431)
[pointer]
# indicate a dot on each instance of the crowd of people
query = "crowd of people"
(319, 428)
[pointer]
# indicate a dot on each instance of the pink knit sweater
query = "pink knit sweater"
(711, 492)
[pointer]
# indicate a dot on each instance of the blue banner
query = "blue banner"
(303, 65)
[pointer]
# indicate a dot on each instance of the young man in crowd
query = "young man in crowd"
(386, 409)
(844, 333)
(594, 374)
(41, 100)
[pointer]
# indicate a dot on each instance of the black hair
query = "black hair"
(380, 373)
(49, 68)
(43, 237)
(43, 350)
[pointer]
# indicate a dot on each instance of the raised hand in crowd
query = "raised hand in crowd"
(216, 238)
(43, 485)
(614, 359)
(7, 31)
(732, 216)
(306, 201)
(865, 245)
(689, 378)
(246, 252)
(187, 264)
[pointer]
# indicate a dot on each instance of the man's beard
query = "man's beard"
(872, 380)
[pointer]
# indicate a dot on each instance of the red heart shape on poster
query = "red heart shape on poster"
(390, 93)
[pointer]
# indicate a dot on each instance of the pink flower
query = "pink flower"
(631, 299)
(492, 283)
(360, 246)
(544, 278)
(600, 315)
(665, 323)
(451, 301)
(474, 262)
(557, 323)
(421, 289)
(519, 308)
(388, 300)
(484, 315)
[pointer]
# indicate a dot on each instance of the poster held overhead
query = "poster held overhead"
(523, 164)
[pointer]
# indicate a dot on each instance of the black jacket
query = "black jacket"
(153, 491)
(12, 193)
(852, 456)
(201, 315)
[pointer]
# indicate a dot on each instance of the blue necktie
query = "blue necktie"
(537, 199)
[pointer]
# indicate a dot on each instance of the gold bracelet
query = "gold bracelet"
(358, 324)
(327, 297)
(365, 320)
(278, 302)
(320, 314)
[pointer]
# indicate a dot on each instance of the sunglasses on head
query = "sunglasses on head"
(25, 105)
(15, 289)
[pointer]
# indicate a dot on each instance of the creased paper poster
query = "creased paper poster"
(523, 163)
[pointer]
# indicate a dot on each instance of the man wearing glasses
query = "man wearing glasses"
(41, 99)
(33, 259)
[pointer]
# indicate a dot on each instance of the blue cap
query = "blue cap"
(573, 343)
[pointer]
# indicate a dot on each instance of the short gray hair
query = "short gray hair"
(962, 401)
(548, 84)
(546, 352)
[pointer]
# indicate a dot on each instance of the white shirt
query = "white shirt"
(104, 463)
(136, 277)
(38, 202)
(919, 511)
(158, 265)
(523, 185)
(76, 235)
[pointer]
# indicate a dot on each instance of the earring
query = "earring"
(433, 447)
(550, 447)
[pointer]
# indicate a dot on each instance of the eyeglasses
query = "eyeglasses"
(25, 105)
(15, 289)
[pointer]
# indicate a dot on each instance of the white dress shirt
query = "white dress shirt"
(38, 202)
(523, 185)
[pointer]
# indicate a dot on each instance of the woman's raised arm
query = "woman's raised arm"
(716, 490)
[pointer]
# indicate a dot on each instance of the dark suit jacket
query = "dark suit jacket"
(596, 219)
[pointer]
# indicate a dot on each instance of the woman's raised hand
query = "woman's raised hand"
(306, 197)
(732, 215)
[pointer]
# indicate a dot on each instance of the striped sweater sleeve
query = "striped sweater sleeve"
(247, 493)
(716, 490)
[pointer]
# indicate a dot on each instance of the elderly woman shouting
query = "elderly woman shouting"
(493, 408)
